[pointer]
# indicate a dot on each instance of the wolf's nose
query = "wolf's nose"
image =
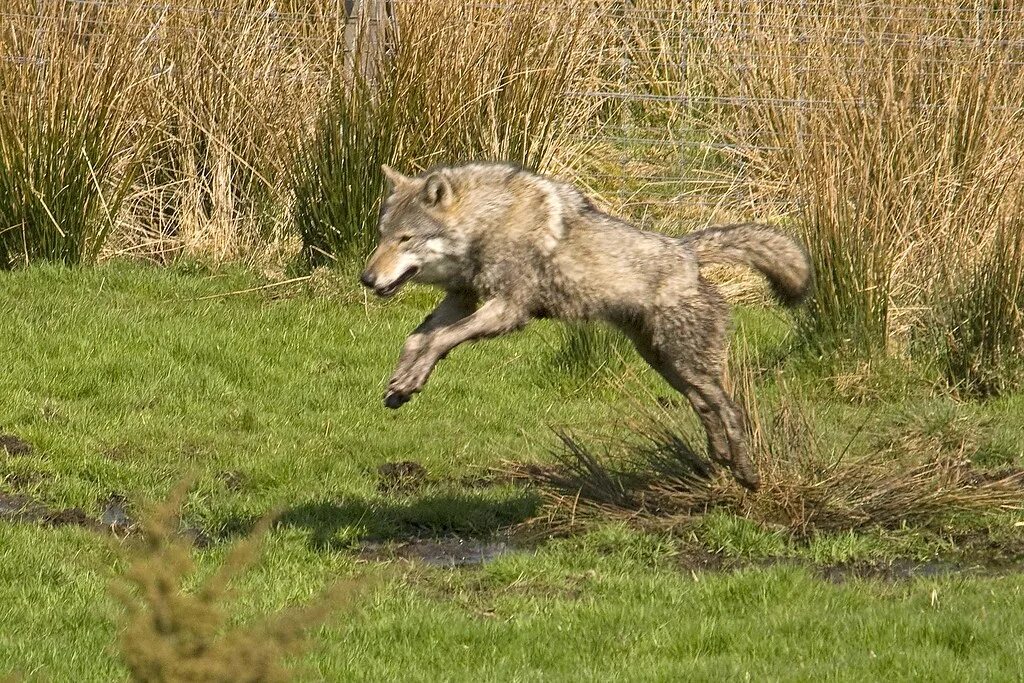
(367, 279)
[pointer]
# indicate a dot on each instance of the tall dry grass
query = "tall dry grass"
(887, 134)
(153, 129)
(979, 318)
(234, 83)
(71, 139)
(262, 129)
(434, 83)
(894, 134)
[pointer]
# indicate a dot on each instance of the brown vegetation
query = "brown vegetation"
(173, 634)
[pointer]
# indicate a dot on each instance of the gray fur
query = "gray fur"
(508, 246)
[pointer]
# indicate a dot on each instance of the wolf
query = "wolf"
(507, 246)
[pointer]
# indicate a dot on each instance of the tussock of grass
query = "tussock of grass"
(232, 84)
(657, 479)
(980, 322)
(584, 353)
(176, 635)
(898, 160)
(70, 139)
(436, 83)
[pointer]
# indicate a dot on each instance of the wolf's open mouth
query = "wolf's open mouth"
(393, 287)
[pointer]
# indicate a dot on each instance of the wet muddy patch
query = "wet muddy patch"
(113, 517)
(453, 552)
(16, 508)
(447, 552)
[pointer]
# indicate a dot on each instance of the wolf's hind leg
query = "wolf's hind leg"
(726, 428)
(690, 362)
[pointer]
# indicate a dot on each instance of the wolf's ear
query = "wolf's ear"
(393, 176)
(437, 190)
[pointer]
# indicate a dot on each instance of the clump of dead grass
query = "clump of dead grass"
(657, 478)
(233, 82)
(71, 142)
(893, 134)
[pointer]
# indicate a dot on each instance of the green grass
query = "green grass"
(573, 611)
(124, 379)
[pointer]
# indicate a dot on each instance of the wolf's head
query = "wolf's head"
(417, 240)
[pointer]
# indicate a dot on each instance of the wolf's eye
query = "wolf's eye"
(404, 238)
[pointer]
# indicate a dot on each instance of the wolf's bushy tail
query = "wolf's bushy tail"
(779, 257)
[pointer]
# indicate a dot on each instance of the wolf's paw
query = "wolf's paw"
(395, 400)
(401, 388)
(406, 382)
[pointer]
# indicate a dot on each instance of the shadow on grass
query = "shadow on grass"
(338, 524)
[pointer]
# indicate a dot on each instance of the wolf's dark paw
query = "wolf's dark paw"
(395, 400)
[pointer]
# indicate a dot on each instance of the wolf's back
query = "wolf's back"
(779, 257)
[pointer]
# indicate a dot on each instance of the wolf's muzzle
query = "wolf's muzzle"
(368, 280)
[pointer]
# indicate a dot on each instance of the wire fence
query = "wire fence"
(654, 148)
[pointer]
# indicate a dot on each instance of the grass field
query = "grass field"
(887, 540)
(125, 379)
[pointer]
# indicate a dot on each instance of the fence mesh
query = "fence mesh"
(668, 140)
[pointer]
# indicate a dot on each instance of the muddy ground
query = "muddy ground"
(455, 552)
(400, 479)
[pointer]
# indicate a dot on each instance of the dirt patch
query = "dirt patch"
(14, 445)
(1001, 547)
(233, 480)
(21, 509)
(439, 552)
(697, 561)
(406, 476)
(69, 517)
(113, 518)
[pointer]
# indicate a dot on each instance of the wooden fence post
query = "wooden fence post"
(363, 21)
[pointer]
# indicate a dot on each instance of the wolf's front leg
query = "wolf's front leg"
(494, 318)
(453, 308)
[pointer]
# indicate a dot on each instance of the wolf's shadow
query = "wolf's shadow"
(339, 524)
